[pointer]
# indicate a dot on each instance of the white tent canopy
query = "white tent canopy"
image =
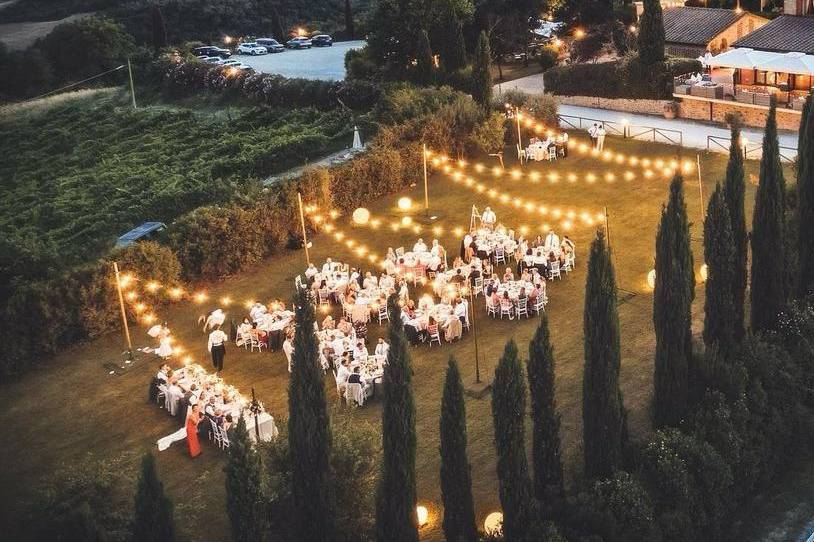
(744, 58)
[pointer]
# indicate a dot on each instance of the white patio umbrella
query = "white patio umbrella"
(796, 63)
(742, 58)
(357, 139)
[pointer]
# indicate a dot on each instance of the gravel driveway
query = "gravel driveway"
(327, 63)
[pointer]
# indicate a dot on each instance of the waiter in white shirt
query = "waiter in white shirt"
(326, 267)
(435, 247)
(382, 348)
(552, 242)
(311, 271)
(217, 347)
(488, 218)
(420, 246)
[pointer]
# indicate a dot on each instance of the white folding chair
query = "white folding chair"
(355, 392)
(245, 339)
(539, 304)
(435, 336)
(552, 153)
(491, 308)
(254, 342)
(523, 307)
(506, 308)
(214, 434)
(554, 269)
(161, 395)
(324, 297)
(383, 314)
(500, 254)
(478, 287)
(224, 439)
(400, 251)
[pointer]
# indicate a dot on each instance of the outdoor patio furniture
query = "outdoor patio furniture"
(763, 99)
(682, 89)
(745, 97)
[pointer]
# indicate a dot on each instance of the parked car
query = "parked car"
(298, 43)
(251, 48)
(271, 45)
(322, 40)
(211, 50)
(231, 62)
(232, 69)
(213, 60)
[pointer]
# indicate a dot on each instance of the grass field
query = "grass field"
(70, 407)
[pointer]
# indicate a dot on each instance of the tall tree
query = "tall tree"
(451, 44)
(672, 308)
(481, 74)
(719, 255)
(604, 423)
(734, 188)
(456, 479)
(159, 28)
(768, 289)
(396, 519)
(508, 416)
(805, 199)
(152, 520)
(244, 492)
(394, 30)
(651, 33)
(546, 452)
(350, 28)
(309, 433)
(425, 64)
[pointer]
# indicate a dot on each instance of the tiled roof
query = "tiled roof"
(785, 34)
(696, 26)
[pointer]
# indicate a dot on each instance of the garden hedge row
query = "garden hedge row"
(625, 78)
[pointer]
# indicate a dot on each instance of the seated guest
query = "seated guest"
(244, 326)
(391, 255)
(258, 310)
(435, 247)
(328, 322)
(420, 246)
(458, 277)
(370, 281)
(344, 326)
(493, 285)
(311, 271)
(453, 331)
(386, 282)
(325, 356)
(474, 275)
(567, 245)
(355, 377)
(360, 352)
(508, 275)
(461, 310)
(404, 292)
(522, 294)
(326, 267)
(342, 374)
(159, 379)
(258, 334)
(389, 266)
(382, 348)
(227, 422)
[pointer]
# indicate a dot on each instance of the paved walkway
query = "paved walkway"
(326, 161)
(694, 133)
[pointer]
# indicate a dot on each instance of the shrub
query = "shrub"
(489, 135)
(619, 509)
(359, 64)
(549, 57)
(544, 108)
(584, 80)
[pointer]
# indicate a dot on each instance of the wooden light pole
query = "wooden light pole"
(124, 314)
(700, 186)
(426, 191)
(474, 333)
(304, 233)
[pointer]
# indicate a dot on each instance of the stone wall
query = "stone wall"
(645, 107)
(752, 116)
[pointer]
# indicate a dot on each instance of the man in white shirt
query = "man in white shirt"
(217, 347)
(386, 282)
(389, 267)
(600, 138)
(258, 310)
(326, 267)
(360, 353)
(461, 310)
(338, 346)
(311, 271)
(420, 246)
(435, 247)
(382, 348)
(488, 218)
(552, 242)
(342, 374)
(370, 281)
(288, 348)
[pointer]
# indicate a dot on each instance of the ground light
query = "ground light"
(405, 203)
(704, 271)
(651, 279)
(422, 514)
(361, 216)
(493, 524)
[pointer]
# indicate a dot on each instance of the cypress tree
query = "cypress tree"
(734, 188)
(546, 453)
(456, 479)
(152, 521)
(805, 199)
(481, 74)
(425, 66)
(452, 47)
(159, 28)
(604, 423)
(309, 433)
(244, 494)
(508, 415)
(396, 519)
(719, 255)
(672, 308)
(768, 291)
(350, 29)
(651, 33)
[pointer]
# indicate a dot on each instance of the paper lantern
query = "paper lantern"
(405, 203)
(493, 524)
(651, 278)
(422, 514)
(361, 216)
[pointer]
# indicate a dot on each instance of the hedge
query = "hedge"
(625, 78)
(181, 78)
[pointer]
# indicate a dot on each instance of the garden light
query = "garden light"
(405, 203)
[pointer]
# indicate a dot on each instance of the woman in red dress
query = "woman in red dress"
(193, 419)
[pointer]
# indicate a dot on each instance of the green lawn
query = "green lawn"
(71, 406)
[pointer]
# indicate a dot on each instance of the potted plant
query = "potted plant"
(670, 110)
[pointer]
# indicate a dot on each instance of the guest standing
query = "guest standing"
(217, 347)
(193, 419)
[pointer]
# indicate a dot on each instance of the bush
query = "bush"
(584, 80)
(619, 509)
(359, 64)
(88, 500)
(549, 56)
(544, 108)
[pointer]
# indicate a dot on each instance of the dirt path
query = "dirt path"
(18, 36)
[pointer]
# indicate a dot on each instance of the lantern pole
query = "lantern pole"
(426, 191)
(304, 233)
(121, 308)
